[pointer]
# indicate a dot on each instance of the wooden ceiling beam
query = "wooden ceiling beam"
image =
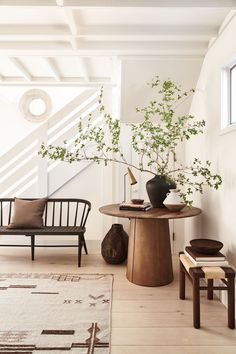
(34, 46)
(70, 19)
(154, 32)
(104, 54)
(72, 30)
(54, 70)
(93, 81)
(34, 30)
(60, 2)
(28, 3)
(71, 22)
(110, 47)
(150, 3)
(138, 46)
(122, 3)
(18, 64)
(83, 64)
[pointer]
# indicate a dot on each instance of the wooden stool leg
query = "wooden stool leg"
(231, 303)
(85, 246)
(196, 303)
(79, 250)
(210, 291)
(181, 281)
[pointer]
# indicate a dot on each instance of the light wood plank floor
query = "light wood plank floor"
(144, 320)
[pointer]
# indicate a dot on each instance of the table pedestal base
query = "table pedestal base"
(149, 254)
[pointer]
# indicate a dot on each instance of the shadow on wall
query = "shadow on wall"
(193, 228)
(210, 229)
(216, 226)
(231, 255)
(210, 215)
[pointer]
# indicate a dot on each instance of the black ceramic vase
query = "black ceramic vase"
(115, 245)
(157, 188)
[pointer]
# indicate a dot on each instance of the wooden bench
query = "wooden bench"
(195, 274)
(61, 217)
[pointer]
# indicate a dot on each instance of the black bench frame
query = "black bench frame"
(54, 226)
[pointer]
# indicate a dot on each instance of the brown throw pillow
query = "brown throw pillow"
(28, 214)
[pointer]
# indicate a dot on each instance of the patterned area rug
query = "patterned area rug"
(55, 313)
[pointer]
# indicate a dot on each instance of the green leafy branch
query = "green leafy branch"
(155, 140)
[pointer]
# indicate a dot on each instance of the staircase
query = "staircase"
(25, 174)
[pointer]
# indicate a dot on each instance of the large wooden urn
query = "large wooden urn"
(115, 245)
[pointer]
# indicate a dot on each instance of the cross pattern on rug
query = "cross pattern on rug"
(90, 343)
(67, 313)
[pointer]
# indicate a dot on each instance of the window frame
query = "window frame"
(231, 68)
(226, 125)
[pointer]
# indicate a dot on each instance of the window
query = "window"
(232, 100)
(228, 112)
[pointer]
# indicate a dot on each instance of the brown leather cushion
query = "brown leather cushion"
(28, 214)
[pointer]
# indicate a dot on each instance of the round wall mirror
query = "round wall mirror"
(35, 105)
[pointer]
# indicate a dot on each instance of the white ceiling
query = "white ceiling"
(76, 41)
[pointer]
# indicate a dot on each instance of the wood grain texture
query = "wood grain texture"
(173, 349)
(157, 213)
(173, 336)
(149, 257)
(162, 320)
(167, 306)
(145, 320)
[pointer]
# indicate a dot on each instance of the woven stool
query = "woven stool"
(226, 274)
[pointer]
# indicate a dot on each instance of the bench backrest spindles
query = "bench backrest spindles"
(82, 218)
(85, 215)
(60, 214)
(46, 215)
(1, 215)
(9, 215)
(6, 210)
(58, 211)
(53, 213)
(68, 213)
(76, 213)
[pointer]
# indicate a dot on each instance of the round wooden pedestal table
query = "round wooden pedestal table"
(149, 252)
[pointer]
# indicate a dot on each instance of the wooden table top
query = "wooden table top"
(155, 213)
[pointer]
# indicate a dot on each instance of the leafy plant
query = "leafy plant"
(155, 140)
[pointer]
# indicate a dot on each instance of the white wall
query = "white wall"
(137, 73)
(218, 207)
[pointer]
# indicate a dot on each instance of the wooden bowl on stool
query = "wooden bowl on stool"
(206, 245)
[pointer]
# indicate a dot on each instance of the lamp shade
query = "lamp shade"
(131, 177)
